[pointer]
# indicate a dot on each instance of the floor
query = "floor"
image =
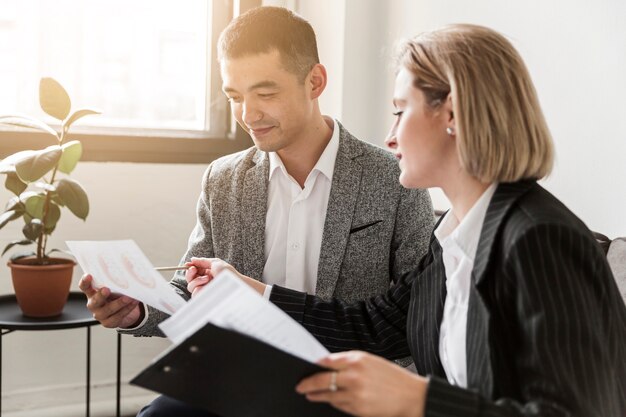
(128, 408)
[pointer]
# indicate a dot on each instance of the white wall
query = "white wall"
(575, 51)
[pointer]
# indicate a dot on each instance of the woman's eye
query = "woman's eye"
(398, 113)
(234, 99)
(267, 95)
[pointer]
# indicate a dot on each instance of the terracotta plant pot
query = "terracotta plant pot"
(42, 290)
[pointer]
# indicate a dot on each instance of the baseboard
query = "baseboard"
(69, 401)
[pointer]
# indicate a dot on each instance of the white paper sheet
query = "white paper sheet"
(229, 303)
(122, 267)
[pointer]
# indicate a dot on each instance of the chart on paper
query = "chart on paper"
(121, 266)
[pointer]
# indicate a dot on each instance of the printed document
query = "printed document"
(122, 267)
(229, 303)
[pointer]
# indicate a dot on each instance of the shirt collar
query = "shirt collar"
(466, 234)
(325, 164)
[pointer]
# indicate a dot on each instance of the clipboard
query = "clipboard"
(233, 375)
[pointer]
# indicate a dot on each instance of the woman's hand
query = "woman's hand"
(366, 385)
(203, 270)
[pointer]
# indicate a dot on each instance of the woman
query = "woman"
(514, 310)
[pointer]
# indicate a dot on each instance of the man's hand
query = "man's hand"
(111, 310)
(203, 270)
(366, 385)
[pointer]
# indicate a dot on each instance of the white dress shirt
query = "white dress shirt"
(459, 242)
(295, 218)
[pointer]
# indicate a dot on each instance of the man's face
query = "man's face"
(268, 102)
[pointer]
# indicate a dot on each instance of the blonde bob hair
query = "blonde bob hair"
(501, 132)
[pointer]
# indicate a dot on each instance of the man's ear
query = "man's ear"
(317, 80)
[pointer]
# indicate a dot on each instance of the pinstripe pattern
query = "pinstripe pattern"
(546, 323)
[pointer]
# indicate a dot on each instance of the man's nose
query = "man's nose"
(250, 114)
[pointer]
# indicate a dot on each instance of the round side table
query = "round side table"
(75, 315)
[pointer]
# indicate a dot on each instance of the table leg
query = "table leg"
(1, 334)
(119, 374)
(88, 384)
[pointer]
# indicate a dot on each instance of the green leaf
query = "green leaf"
(28, 194)
(74, 197)
(58, 200)
(50, 229)
(14, 203)
(16, 242)
(45, 186)
(28, 123)
(33, 229)
(7, 165)
(21, 255)
(53, 98)
(27, 217)
(71, 154)
(35, 205)
(8, 216)
(53, 216)
(59, 250)
(14, 184)
(35, 166)
(77, 115)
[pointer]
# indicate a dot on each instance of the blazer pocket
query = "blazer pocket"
(364, 226)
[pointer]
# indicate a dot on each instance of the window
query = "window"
(149, 67)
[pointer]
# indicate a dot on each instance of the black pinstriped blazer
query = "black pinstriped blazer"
(546, 326)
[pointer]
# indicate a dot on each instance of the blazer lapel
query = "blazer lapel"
(341, 203)
(478, 354)
(428, 295)
(504, 197)
(253, 215)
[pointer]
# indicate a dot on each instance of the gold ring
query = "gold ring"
(333, 382)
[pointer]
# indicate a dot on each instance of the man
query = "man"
(309, 207)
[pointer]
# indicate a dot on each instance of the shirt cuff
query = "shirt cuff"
(445, 400)
(145, 319)
(267, 292)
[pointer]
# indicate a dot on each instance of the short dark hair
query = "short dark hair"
(267, 28)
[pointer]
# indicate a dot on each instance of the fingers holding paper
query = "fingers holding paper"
(366, 385)
(111, 310)
(203, 270)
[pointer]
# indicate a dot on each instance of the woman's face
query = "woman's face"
(418, 136)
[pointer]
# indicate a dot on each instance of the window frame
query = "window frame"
(157, 145)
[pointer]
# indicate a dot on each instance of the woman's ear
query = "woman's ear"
(317, 80)
(448, 111)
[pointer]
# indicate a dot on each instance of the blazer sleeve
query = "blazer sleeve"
(200, 244)
(571, 323)
(377, 325)
(413, 226)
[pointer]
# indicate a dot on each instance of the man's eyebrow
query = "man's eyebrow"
(263, 84)
(257, 86)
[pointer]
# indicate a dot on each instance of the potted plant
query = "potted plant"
(41, 187)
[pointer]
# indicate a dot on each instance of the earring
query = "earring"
(449, 131)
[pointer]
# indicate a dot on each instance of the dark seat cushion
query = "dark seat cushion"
(616, 257)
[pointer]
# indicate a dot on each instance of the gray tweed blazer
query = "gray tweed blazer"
(375, 229)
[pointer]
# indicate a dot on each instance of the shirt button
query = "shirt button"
(295, 246)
